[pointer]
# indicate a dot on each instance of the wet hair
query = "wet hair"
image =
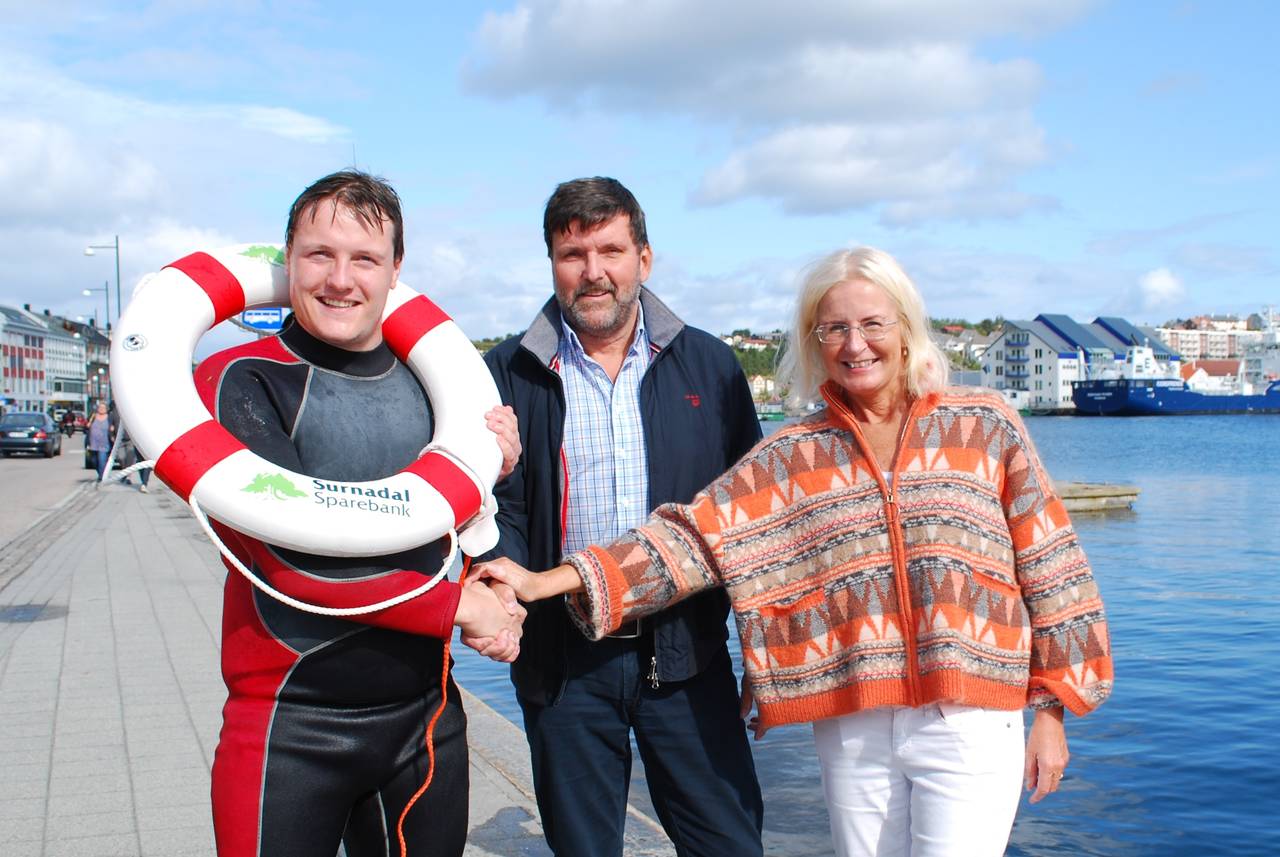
(591, 202)
(801, 369)
(368, 197)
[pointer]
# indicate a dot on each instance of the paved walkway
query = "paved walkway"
(110, 695)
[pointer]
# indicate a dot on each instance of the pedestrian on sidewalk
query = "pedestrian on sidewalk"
(622, 407)
(325, 716)
(127, 455)
(98, 438)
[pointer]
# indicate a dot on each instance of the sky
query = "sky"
(1088, 158)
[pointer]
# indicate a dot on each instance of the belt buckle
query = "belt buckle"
(638, 624)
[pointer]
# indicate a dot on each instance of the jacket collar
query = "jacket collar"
(837, 412)
(543, 336)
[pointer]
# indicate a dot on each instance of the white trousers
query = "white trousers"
(939, 780)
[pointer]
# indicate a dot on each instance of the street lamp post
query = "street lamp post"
(88, 251)
(106, 293)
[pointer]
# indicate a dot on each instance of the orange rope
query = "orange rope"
(431, 726)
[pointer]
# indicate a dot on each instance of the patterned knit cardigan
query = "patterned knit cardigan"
(961, 579)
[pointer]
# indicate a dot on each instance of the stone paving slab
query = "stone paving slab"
(111, 698)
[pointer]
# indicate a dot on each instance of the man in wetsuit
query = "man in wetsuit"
(325, 715)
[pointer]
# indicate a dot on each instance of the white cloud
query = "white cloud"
(1220, 259)
(284, 122)
(490, 284)
(1131, 240)
(1160, 289)
(80, 163)
(70, 151)
(1154, 293)
(45, 169)
(937, 168)
(833, 106)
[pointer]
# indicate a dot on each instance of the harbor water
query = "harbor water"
(1182, 759)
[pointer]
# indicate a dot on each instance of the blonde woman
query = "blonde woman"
(902, 573)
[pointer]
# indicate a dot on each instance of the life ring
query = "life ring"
(444, 489)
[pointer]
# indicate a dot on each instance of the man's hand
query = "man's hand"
(502, 422)
(491, 620)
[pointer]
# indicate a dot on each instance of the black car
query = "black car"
(29, 432)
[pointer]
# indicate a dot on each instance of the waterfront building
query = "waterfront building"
(65, 373)
(1030, 358)
(762, 387)
(1213, 377)
(1261, 358)
(746, 341)
(22, 343)
(1209, 343)
(97, 351)
(1045, 356)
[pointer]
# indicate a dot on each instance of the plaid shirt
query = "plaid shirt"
(604, 449)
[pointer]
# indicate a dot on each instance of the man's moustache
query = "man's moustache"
(608, 288)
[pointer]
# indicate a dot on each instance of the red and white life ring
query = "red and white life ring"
(447, 487)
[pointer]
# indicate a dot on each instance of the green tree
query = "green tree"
(265, 252)
(989, 324)
(280, 487)
(483, 345)
(754, 361)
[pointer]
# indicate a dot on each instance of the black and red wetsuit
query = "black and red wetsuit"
(324, 714)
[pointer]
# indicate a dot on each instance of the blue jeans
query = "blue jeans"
(701, 776)
(100, 461)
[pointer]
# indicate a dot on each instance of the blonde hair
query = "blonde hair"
(801, 369)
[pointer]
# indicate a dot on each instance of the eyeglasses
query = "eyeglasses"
(837, 333)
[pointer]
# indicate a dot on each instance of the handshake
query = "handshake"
(490, 618)
(489, 612)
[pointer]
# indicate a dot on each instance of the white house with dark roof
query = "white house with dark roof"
(1043, 357)
(1030, 357)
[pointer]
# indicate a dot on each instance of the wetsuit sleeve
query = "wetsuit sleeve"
(260, 408)
(1070, 649)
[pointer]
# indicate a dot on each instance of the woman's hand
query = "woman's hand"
(489, 624)
(502, 422)
(502, 570)
(1047, 754)
(529, 586)
(748, 700)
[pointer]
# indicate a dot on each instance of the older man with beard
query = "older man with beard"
(622, 407)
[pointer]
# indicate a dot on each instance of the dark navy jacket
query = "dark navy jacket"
(698, 420)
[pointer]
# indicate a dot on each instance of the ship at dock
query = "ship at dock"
(1145, 386)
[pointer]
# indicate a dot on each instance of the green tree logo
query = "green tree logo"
(265, 252)
(280, 488)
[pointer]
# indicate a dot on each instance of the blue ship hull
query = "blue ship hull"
(1139, 398)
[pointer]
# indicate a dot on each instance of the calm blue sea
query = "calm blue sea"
(1182, 760)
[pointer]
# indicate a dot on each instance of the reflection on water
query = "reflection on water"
(1181, 760)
